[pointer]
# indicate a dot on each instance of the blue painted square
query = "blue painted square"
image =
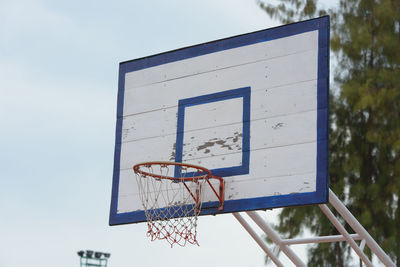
(243, 93)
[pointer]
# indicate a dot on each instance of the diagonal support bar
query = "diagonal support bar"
(275, 238)
(258, 239)
(282, 244)
(345, 234)
(358, 228)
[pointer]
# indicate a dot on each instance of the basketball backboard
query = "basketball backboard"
(252, 108)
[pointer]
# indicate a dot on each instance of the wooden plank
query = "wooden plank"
(215, 141)
(278, 161)
(275, 72)
(213, 114)
(224, 59)
(266, 133)
(270, 162)
(278, 101)
(285, 100)
(265, 163)
(272, 186)
(224, 140)
(263, 187)
(148, 125)
(153, 149)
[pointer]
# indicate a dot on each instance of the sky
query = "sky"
(58, 82)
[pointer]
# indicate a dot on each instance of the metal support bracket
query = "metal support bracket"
(283, 244)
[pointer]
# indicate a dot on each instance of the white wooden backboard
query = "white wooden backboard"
(252, 108)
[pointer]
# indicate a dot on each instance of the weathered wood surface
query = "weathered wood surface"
(282, 75)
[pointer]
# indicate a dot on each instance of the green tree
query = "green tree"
(365, 123)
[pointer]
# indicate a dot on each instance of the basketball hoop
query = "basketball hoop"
(171, 195)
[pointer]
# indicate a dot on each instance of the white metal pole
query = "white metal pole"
(362, 245)
(275, 238)
(319, 239)
(346, 235)
(258, 239)
(357, 227)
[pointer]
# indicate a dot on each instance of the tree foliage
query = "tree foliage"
(365, 123)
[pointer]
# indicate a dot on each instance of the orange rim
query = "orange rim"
(207, 173)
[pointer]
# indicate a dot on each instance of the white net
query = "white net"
(171, 205)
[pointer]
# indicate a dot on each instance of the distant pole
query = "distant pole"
(90, 258)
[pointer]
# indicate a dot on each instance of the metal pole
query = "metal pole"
(346, 235)
(357, 227)
(319, 239)
(259, 241)
(275, 238)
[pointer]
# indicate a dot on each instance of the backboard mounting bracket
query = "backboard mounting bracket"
(283, 244)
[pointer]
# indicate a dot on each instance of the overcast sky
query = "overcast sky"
(58, 81)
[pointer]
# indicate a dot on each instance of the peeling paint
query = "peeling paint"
(278, 125)
(125, 133)
(205, 145)
(237, 136)
(220, 142)
(172, 156)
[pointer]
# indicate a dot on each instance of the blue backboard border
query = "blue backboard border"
(322, 186)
